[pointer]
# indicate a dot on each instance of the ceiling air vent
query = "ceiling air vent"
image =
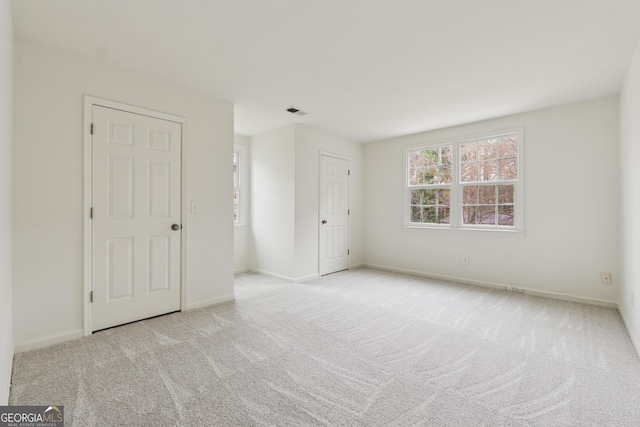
(294, 110)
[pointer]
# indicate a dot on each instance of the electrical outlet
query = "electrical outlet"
(519, 290)
(605, 278)
(465, 260)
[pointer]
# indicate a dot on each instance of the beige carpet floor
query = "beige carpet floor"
(357, 348)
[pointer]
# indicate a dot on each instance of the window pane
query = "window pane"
(444, 216)
(426, 175)
(469, 214)
(487, 171)
(487, 195)
(444, 197)
(468, 152)
(416, 197)
(505, 194)
(469, 172)
(508, 146)
(446, 154)
(508, 169)
(487, 149)
(430, 157)
(418, 176)
(445, 175)
(236, 184)
(470, 195)
(431, 166)
(416, 214)
(486, 215)
(429, 196)
(430, 205)
(414, 176)
(429, 215)
(429, 176)
(235, 170)
(415, 159)
(505, 215)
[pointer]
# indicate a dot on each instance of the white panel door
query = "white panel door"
(135, 245)
(334, 214)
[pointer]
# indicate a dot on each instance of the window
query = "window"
(430, 183)
(237, 159)
(474, 183)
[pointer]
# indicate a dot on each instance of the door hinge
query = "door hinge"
(348, 211)
(91, 213)
(91, 128)
(348, 172)
(91, 296)
(348, 251)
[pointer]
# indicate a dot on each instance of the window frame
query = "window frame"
(456, 195)
(435, 186)
(239, 151)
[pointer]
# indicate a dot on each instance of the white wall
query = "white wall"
(630, 199)
(272, 202)
(284, 190)
(6, 107)
(242, 229)
(571, 208)
(309, 143)
(48, 186)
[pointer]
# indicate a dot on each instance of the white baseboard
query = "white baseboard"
(306, 278)
(287, 278)
(571, 298)
(354, 266)
(268, 273)
(48, 341)
(6, 387)
(240, 271)
(212, 301)
(630, 331)
(492, 285)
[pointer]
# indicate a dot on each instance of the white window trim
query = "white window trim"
(242, 180)
(456, 194)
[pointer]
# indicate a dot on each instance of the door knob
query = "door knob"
(324, 221)
(175, 227)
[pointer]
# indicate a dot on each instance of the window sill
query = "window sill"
(502, 232)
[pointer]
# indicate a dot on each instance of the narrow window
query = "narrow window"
(430, 182)
(237, 159)
(488, 179)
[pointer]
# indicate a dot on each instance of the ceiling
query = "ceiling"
(363, 69)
